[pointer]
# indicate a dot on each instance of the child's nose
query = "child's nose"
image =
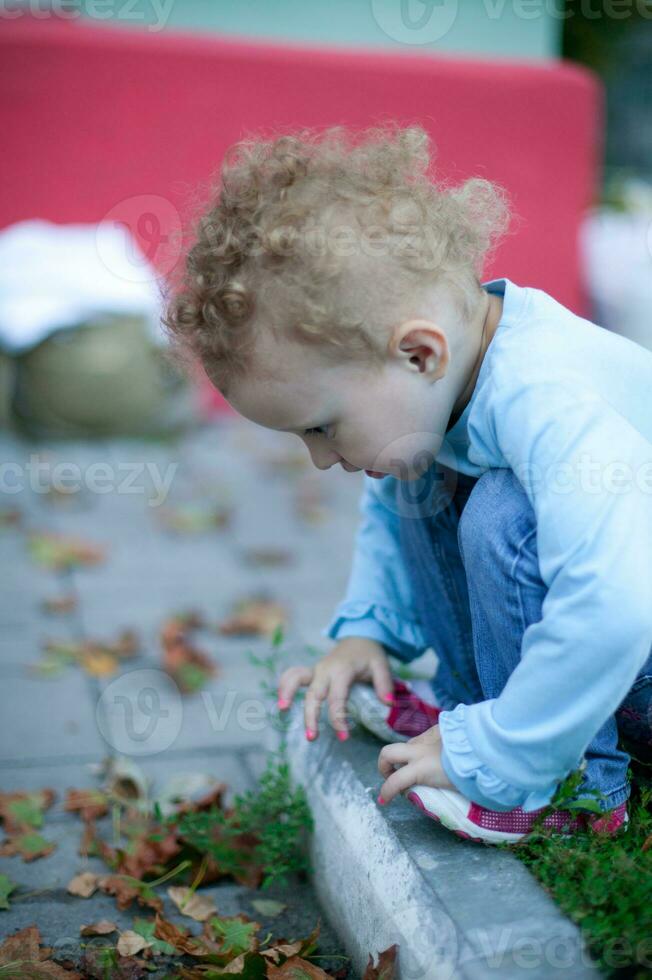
(324, 459)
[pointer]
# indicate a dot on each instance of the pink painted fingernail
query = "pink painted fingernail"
(282, 703)
(380, 799)
(310, 735)
(389, 697)
(342, 736)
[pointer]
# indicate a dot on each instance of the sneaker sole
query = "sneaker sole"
(448, 808)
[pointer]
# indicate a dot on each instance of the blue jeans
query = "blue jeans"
(470, 549)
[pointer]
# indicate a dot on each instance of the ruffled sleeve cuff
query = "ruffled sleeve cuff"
(473, 778)
(402, 637)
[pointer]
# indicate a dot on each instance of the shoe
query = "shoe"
(467, 819)
(408, 716)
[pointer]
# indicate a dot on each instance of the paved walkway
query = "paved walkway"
(55, 729)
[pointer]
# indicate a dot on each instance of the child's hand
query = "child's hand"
(419, 761)
(354, 658)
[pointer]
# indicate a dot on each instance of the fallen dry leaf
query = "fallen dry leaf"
(59, 551)
(182, 940)
(20, 811)
(256, 616)
(7, 886)
(386, 966)
(30, 846)
(60, 604)
(88, 803)
(94, 965)
(102, 928)
(196, 906)
(125, 891)
(99, 659)
(189, 666)
(131, 943)
(23, 948)
(214, 797)
(98, 663)
(267, 556)
(88, 842)
(83, 884)
(295, 967)
(275, 953)
(146, 855)
(193, 518)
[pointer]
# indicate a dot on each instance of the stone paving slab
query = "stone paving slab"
(53, 717)
(53, 731)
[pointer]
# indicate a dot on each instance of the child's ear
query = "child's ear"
(422, 346)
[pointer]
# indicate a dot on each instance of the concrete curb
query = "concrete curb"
(457, 909)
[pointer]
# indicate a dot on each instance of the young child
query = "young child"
(333, 291)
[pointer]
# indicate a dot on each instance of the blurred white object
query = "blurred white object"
(54, 276)
(617, 259)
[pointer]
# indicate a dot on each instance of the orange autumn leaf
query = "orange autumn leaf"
(182, 940)
(30, 845)
(258, 616)
(386, 966)
(60, 604)
(125, 891)
(98, 658)
(24, 948)
(21, 810)
(189, 666)
(60, 551)
(296, 966)
(88, 803)
(102, 928)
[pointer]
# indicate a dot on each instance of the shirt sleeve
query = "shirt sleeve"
(378, 602)
(588, 473)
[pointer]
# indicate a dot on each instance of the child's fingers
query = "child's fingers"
(337, 700)
(397, 782)
(394, 754)
(315, 695)
(382, 680)
(290, 681)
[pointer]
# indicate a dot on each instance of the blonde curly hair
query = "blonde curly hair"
(267, 253)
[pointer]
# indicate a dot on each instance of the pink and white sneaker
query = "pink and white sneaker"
(412, 713)
(467, 819)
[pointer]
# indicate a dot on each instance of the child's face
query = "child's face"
(389, 420)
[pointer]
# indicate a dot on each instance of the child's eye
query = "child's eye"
(319, 430)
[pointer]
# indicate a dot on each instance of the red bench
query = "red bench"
(107, 121)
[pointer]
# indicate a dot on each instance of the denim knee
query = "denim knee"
(497, 513)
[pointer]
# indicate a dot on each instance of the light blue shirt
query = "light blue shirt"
(567, 405)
